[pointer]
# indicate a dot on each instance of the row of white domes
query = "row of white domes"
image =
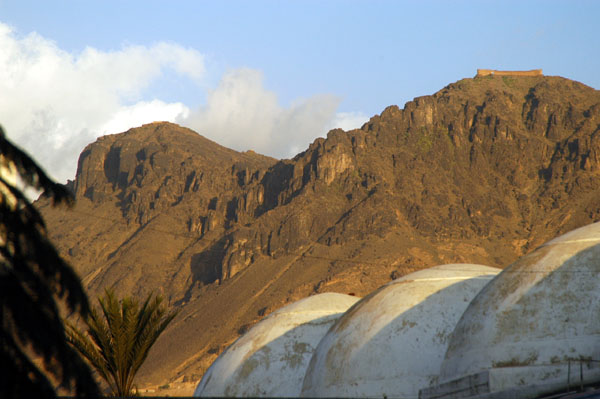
(430, 331)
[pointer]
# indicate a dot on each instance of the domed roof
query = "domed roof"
(541, 311)
(393, 341)
(272, 357)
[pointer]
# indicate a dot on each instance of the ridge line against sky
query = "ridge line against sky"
(262, 75)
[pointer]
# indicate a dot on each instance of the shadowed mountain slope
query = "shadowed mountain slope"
(482, 171)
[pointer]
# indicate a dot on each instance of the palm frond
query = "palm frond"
(32, 276)
(118, 342)
(32, 174)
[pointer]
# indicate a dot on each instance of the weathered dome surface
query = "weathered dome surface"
(539, 313)
(272, 357)
(393, 341)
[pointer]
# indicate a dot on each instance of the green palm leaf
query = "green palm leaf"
(117, 342)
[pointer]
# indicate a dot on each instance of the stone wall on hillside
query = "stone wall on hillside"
(487, 72)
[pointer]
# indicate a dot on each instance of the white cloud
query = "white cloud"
(138, 114)
(241, 114)
(53, 103)
(238, 112)
(349, 120)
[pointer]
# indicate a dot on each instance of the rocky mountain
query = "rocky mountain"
(482, 171)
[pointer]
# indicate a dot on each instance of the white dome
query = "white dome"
(272, 357)
(541, 311)
(393, 341)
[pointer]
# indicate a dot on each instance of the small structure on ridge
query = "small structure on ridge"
(495, 72)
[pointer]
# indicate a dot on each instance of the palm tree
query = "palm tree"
(117, 344)
(32, 278)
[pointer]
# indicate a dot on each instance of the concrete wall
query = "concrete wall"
(486, 72)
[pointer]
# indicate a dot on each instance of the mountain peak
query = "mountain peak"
(147, 153)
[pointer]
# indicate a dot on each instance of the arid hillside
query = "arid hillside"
(482, 171)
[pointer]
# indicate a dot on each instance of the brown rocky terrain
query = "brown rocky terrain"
(482, 171)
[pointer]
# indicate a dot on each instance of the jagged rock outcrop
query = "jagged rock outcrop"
(482, 171)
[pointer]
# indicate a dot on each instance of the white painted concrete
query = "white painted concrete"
(272, 357)
(541, 311)
(392, 342)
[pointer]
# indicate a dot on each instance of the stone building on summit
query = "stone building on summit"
(494, 72)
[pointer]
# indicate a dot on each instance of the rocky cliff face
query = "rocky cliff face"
(482, 171)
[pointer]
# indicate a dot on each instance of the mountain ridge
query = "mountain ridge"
(482, 171)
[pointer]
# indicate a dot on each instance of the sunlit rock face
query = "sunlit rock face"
(393, 341)
(521, 331)
(272, 357)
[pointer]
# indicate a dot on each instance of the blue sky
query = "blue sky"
(266, 75)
